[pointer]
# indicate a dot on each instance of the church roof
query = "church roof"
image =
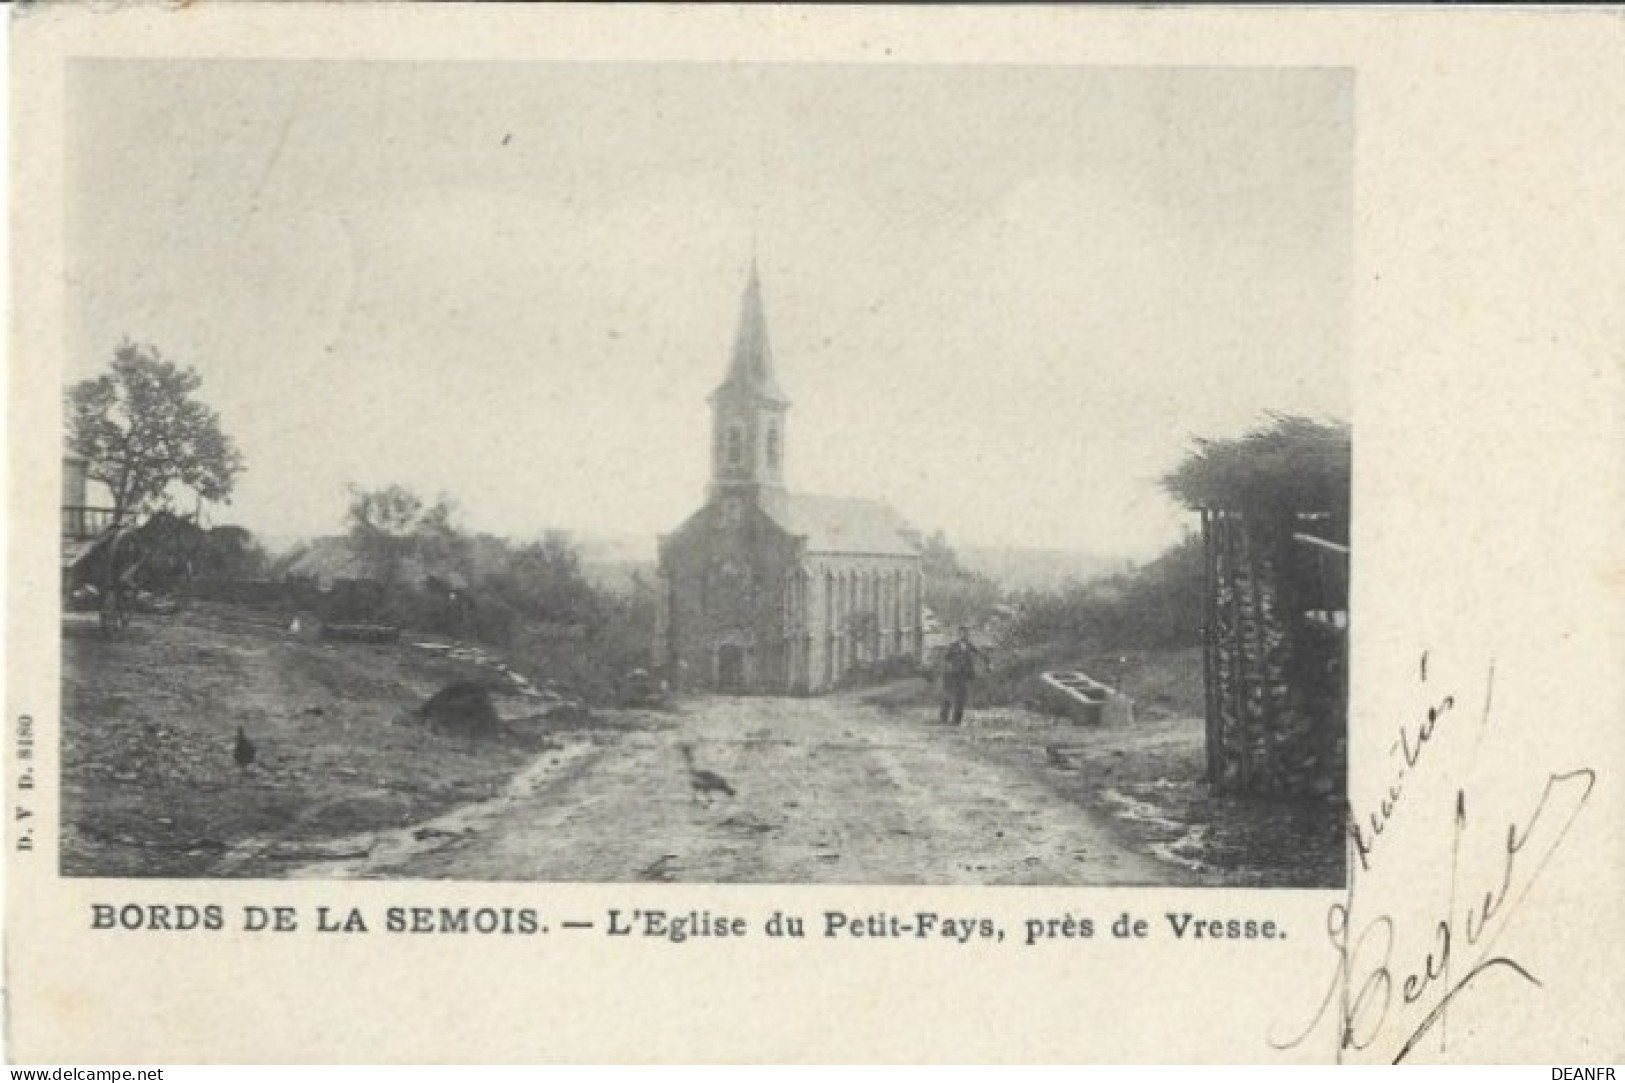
(750, 372)
(844, 524)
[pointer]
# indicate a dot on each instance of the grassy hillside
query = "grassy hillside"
(150, 787)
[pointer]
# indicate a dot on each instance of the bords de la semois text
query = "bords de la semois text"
(678, 926)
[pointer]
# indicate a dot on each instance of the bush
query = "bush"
(592, 660)
(953, 592)
(530, 601)
(462, 707)
(1161, 605)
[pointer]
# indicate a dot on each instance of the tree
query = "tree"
(144, 434)
(544, 581)
(953, 592)
(231, 552)
(1153, 607)
(389, 527)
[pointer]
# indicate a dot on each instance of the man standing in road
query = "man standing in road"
(958, 670)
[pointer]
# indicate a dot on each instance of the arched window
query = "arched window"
(773, 447)
(736, 446)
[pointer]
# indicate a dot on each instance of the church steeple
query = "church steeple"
(747, 409)
(751, 371)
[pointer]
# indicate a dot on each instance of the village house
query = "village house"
(768, 591)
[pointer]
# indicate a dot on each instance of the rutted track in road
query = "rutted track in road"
(827, 791)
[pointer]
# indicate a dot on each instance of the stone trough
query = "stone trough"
(1075, 695)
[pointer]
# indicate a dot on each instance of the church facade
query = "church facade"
(772, 592)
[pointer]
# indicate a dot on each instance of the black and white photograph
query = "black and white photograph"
(754, 534)
(713, 473)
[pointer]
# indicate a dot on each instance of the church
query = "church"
(771, 592)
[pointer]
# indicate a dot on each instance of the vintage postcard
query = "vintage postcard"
(806, 534)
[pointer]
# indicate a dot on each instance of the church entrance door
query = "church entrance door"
(730, 669)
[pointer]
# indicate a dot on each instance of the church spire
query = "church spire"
(750, 372)
(747, 411)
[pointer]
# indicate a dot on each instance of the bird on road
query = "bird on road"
(704, 782)
(244, 751)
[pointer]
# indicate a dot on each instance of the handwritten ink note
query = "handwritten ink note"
(1394, 973)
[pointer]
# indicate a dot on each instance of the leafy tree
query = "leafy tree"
(1157, 606)
(232, 553)
(539, 605)
(544, 582)
(624, 640)
(392, 527)
(145, 434)
(953, 592)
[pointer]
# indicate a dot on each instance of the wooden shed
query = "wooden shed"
(1275, 654)
(1275, 531)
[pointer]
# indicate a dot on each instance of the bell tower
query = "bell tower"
(747, 411)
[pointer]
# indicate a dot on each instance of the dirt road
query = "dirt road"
(825, 791)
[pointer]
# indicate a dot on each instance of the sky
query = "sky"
(1003, 299)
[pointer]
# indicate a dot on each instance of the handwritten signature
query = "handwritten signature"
(1369, 987)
